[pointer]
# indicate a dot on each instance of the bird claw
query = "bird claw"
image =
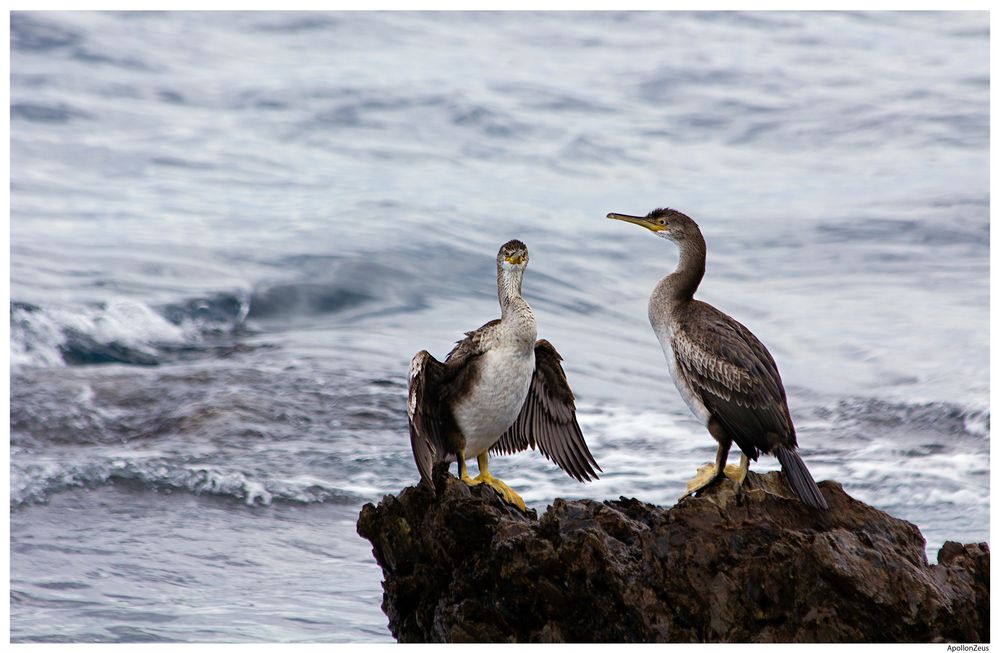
(504, 490)
(705, 477)
(736, 473)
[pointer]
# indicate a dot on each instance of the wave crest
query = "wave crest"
(119, 331)
(37, 482)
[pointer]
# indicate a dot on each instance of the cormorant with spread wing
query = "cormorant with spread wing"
(499, 390)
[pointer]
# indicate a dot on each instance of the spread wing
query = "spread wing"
(432, 387)
(736, 378)
(548, 419)
(429, 416)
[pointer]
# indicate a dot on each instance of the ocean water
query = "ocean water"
(231, 231)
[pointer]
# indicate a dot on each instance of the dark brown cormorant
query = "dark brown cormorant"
(725, 375)
(498, 390)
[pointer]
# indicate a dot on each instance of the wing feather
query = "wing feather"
(548, 419)
(424, 409)
(736, 378)
(433, 386)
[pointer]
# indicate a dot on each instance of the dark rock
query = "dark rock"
(750, 565)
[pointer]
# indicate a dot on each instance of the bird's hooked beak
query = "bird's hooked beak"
(515, 259)
(643, 221)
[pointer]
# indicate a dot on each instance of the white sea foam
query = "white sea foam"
(36, 481)
(646, 454)
(977, 422)
(38, 334)
(134, 323)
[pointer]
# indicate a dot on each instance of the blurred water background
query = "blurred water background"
(231, 231)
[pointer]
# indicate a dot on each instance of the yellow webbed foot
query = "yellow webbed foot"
(704, 478)
(504, 490)
(706, 475)
(738, 473)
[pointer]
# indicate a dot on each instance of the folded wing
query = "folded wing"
(737, 380)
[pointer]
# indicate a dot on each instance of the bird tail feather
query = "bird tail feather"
(799, 478)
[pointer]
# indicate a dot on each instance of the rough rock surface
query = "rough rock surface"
(750, 565)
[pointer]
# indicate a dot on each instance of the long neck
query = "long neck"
(512, 304)
(681, 284)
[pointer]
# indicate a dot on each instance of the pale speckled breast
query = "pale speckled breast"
(664, 334)
(495, 401)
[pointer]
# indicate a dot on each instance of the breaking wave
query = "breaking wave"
(120, 331)
(38, 481)
(132, 332)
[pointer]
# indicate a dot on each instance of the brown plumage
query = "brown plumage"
(434, 387)
(548, 419)
(722, 371)
(736, 377)
(498, 390)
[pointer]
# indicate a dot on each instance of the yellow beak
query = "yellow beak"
(515, 260)
(652, 225)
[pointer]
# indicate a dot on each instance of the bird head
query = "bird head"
(513, 256)
(666, 223)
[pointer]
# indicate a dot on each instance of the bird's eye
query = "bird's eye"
(663, 222)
